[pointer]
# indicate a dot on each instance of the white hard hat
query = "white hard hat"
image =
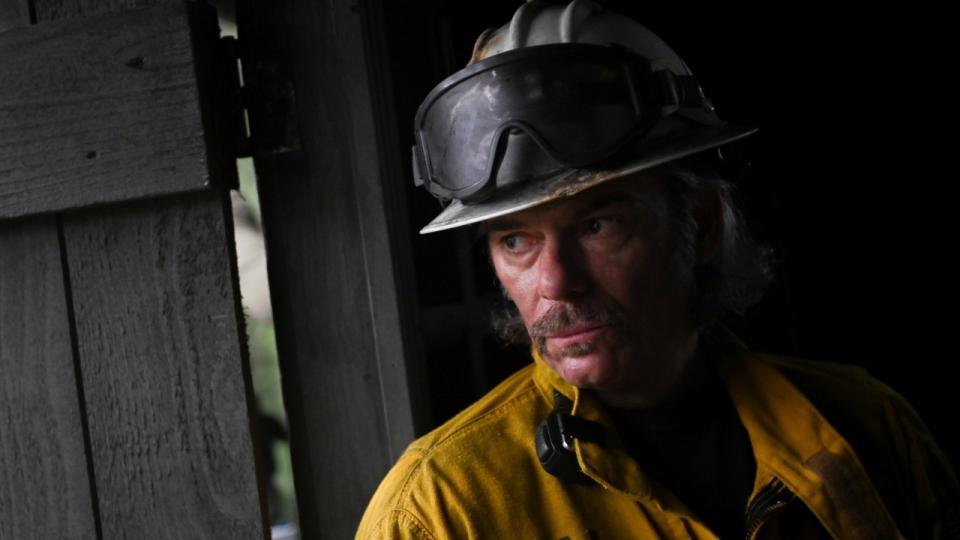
(552, 103)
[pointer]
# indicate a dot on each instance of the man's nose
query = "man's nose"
(562, 274)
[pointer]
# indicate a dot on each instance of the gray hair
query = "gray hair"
(732, 280)
(741, 269)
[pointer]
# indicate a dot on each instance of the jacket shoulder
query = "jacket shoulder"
(519, 388)
(849, 397)
(911, 473)
(848, 385)
(446, 477)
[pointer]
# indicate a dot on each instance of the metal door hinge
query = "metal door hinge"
(233, 101)
(262, 90)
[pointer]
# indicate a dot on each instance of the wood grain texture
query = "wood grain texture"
(58, 10)
(44, 482)
(99, 109)
(159, 338)
(13, 13)
(340, 275)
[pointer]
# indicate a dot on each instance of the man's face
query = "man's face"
(596, 284)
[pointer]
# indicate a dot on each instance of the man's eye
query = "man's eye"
(600, 225)
(513, 242)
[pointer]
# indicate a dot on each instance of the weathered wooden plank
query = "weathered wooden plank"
(13, 13)
(158, 333)
(58, 10)
(44, 481)
(339, 262)
(99, 109)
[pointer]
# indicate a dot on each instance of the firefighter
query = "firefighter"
(585, 152)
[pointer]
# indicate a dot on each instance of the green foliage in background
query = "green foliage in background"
(265, 372)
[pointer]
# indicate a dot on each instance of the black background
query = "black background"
(851, 181)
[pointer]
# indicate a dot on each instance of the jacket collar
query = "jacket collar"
(791, 441)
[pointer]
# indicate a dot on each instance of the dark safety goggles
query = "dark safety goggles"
(579, 103)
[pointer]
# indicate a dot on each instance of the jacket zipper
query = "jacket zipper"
(768, 502)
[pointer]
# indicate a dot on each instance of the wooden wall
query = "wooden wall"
(338, 255)
(124, 408)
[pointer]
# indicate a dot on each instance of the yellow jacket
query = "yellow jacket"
(478, 475)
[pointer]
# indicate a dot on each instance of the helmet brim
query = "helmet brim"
(652, 151)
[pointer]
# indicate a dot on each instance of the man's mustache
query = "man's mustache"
(562, 317)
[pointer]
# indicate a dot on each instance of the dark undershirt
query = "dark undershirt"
(697, 448)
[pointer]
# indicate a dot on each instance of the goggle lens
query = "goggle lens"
(578, 103)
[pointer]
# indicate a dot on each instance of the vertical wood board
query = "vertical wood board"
(98, 110)
(383, 206)
(159, 344)
(44, 481)
(343, 324)
(13, 13)
(330, 375)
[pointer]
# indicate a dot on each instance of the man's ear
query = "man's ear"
(708, 211)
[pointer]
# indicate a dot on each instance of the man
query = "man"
(583, 148)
